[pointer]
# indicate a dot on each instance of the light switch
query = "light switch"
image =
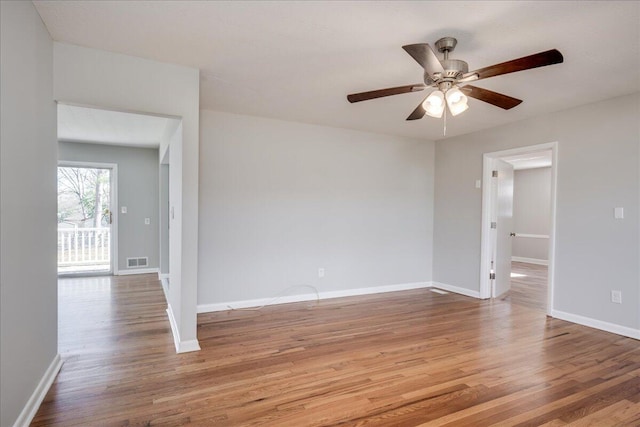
(147, 221)
(478, 183)
(123, 209)
(618, 213)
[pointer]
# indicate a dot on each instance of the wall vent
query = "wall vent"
(137, 262)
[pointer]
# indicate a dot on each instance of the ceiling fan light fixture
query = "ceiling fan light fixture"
(444, 75)
(457, 101)
(434, 104)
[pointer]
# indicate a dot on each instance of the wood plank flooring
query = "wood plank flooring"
(395, 359)
(529, 286)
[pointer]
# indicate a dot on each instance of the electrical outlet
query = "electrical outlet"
(616, 297)
(321, 273)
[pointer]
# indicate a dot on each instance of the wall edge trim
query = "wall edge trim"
(174, 327)
(456, 289)
(224, 306)
(137, 271)
(597, 324)
(188, 346)
(181, 346)
(33, 404)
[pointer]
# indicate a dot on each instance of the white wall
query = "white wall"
(138, 190)
(28, 159)
(598, 150)
(109, 80)
(531, 212)
(280, 199)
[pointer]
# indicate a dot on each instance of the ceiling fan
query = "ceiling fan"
(449, 75)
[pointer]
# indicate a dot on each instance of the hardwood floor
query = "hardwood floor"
(395, 359)
(529, 285)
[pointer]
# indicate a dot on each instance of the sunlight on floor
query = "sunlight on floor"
(100, 285)
(517, 274)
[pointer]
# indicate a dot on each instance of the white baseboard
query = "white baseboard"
(181, 346)
(530, 260)
(189, 346)
(597, 324)
(174, 327)
(33, 404)
(162, 275)
(136, 271)
(456, 289)
(165, 288)
(223, 306)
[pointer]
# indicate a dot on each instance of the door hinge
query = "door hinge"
(492, 276)
(494, 225)
(494, 174)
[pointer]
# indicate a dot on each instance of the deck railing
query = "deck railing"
(84, 246)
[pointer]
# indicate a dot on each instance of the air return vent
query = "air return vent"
(137, 262)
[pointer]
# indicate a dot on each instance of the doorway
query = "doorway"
(497, 232)
(87, 226)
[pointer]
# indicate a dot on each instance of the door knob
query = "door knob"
(512, 234)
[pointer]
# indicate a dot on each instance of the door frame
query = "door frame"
(489, 200)
(113, 205)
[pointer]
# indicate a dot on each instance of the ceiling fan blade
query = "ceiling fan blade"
(364, 96)
(494, 98)
(425, 56)
(418, 113)
(541, 59)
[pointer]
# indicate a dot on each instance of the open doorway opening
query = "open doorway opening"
(87, 227)
(518, 238)
(531, 223)
(113, 213)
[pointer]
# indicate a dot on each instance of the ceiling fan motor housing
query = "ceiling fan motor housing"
(453, 70)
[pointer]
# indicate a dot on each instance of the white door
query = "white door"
(504, 228)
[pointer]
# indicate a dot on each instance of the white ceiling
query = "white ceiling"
(298, 60)
(92, 125)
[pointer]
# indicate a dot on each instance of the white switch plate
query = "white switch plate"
(147, 221)
(616, 296)
(321, 273)
(123, 209)
(618, 213)
(478, 183)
